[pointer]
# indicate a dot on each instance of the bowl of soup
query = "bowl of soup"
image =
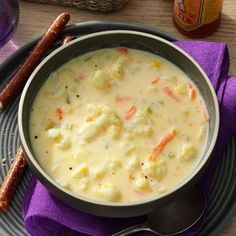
(117, 122)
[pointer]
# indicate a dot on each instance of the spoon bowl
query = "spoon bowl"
(175, 217)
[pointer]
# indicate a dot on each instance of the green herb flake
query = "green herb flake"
(49, 125)
(171, 155)
(149, 111)
(68, 101)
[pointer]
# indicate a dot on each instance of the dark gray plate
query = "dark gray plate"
(223, 190)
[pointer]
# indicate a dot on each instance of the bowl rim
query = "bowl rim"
(32, 159)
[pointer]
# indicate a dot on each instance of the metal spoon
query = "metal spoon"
(174, 217)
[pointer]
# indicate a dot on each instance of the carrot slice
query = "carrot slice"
(59, 113)
(192, 91)
(155, 81)
(159, 148)
(130, 112)
(121, 99)
(109, 86)
(123, 51)
(170, 93)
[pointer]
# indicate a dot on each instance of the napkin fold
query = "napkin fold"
(44, 215)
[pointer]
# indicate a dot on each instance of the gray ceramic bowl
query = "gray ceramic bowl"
(108, 39)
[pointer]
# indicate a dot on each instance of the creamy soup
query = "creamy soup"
(118, 125)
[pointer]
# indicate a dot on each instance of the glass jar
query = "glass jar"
(9, 14)
(197, 18)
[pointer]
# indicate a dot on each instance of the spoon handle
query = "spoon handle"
(134, 229)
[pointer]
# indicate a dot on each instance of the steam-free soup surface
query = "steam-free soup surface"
(118, 125)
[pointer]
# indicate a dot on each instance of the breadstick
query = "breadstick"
(11, 180)
(67, 39)
(17, 167)
(13, 86)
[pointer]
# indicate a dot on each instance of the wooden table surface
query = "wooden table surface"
(35, 18)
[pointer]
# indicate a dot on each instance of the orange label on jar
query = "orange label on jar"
(192, 14)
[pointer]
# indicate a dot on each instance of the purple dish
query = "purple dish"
(9, 14)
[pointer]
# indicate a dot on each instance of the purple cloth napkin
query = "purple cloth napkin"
(44, 215)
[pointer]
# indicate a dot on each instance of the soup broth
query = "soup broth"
(118, 125)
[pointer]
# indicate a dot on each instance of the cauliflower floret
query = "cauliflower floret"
(89, 131)
(103, 118)
(114, 131)
(140, 124)
(113, 164)
(142, 184)
(60, 137)
(126, 148)
(117, 68)
(54, 133)
(100, 172)
(122, 60)
(155, 169)
(67, 126)
(188, 152)
(106, 110)
(127, 134)
(94, 109)
(78, 185)
(133, 164)
(80, 171)
(117, 71)
(143, 130)
(81, 153)
(181, 89)
(64, 144)
(100, 79)
(108, 192)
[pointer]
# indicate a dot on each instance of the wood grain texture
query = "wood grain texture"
(35, 19)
